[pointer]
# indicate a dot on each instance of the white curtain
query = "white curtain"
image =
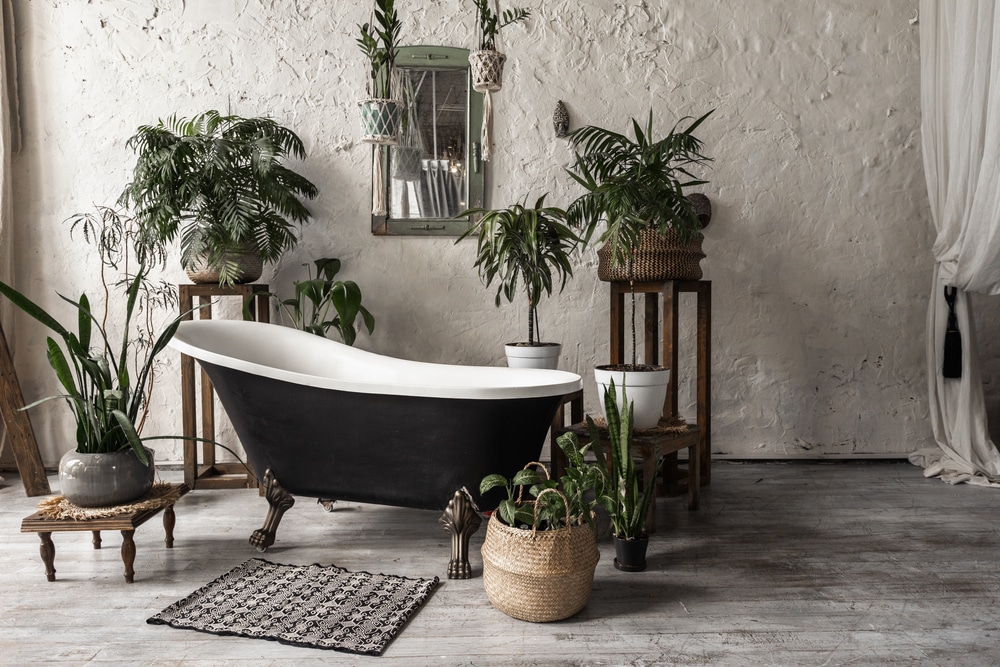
(960, 107)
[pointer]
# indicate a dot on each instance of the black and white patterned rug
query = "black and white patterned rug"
(304, 605)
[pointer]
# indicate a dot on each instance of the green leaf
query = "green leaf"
(491, 482)
(59, 364)
(131, 436)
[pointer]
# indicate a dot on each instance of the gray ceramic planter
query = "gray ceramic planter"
(103, 480)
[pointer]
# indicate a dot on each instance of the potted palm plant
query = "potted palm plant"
(524, 249)
(107, 379)
(220, 183)
(310, 308)
(380, 112)
(635, 185)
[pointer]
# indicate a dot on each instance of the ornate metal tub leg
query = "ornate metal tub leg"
(279, 502)
(461, 520)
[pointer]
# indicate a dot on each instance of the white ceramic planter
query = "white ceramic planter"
(645, 389)
(544, 355)
(104, 480)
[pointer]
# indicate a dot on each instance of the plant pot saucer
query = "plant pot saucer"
(628, 567)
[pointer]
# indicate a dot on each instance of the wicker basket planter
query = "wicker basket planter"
(657, 258)
(539, 575)
(250, 268)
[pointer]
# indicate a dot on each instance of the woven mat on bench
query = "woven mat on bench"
(57, 507)
(666, 425)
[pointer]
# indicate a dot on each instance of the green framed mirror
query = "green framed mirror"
(435, 171)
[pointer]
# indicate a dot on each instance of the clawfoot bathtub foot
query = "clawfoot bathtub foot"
(279, 501)
(461, 520)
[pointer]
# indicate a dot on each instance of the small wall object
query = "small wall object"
(560, 120)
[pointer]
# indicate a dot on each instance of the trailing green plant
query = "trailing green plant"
(310, 309)
(635, 184)
(220, 183)
(526, 248)
(107, 379)
(378, 42)
(490, 23)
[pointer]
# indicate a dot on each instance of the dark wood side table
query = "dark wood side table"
(209, 474)
(670, 291)
(126, 523)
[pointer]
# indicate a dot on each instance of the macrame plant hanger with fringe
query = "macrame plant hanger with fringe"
(379, 140)
(487, 77)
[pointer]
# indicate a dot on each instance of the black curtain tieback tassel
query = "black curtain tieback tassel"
(952, 367)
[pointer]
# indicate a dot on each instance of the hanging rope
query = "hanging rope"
(378, 182)
(487, 136)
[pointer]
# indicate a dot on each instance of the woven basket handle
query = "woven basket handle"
(534, 525)
(520, 489)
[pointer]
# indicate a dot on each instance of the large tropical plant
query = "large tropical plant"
(107, 377)
(222, 185)
(634, 184)
(523, 248)
(322, 303)
(378, 41)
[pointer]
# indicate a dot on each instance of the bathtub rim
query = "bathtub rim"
(531, 383)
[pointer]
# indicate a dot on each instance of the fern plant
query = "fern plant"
(219, 183)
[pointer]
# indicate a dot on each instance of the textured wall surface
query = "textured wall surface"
(818, 252)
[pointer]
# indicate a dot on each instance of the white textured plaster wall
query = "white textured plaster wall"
(818, 252)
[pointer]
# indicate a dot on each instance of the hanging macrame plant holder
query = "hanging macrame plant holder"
(486, 68)
(379, 121)
(407, 155)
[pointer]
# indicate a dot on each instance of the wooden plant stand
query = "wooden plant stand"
(126, 523)
(207, 473)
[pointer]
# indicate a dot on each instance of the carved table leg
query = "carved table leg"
(279, 502)
(128, 554)
(169, 519)
(48, 551)
(97, 539)
(461, 520)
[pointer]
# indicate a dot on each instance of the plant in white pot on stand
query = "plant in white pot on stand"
(528, 249)
(636, 186)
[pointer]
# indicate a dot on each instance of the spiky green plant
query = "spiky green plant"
(220, 183)
(490, 23)
(523, 248)
(310, 309)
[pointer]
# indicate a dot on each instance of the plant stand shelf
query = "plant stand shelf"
(670, 291)
(126, 523)
(209, 474)
(648, 446)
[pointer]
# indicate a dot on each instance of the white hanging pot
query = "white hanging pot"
(541, 355)
(486, 68)
(645, 389)
(407, 163)
(380, 120)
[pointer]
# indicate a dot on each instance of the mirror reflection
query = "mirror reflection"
(433, 173)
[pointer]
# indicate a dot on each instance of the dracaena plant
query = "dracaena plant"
(523, 248)
(221, 184)
(322, 303)
(378, 41)
(106, 377)
(490, 23)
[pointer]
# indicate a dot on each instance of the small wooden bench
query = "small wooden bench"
(126, 523)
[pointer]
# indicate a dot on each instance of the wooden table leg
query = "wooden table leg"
(168, 526)
(97, 539)
(48, 551)
(128, 554)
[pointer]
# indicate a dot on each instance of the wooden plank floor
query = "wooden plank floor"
(785, 564)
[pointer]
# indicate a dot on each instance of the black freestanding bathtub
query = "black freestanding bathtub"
(324, 420)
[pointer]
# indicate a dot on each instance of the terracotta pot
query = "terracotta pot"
(104, 480)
